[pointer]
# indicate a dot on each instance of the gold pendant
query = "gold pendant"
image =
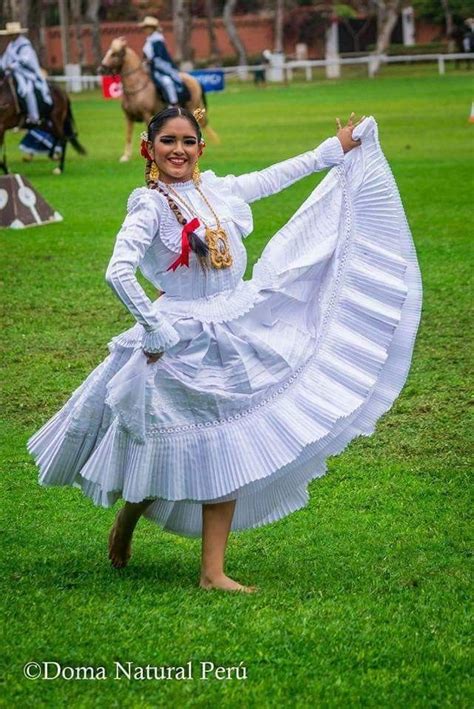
(217, 241)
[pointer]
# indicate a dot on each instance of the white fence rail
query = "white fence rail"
(371, 60)
(90, 81)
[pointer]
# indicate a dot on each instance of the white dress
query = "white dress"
(262, 379)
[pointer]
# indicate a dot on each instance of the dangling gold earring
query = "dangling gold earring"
(196, 174)
(154, 172)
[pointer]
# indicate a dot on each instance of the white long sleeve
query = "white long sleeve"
(262, 183)
(134, 238)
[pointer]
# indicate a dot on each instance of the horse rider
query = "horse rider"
(164, 72)
(21, 60)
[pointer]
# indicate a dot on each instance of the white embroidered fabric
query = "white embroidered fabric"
(262, 379)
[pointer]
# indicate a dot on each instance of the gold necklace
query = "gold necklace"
(216, 239)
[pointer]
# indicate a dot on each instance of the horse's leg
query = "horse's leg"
(59, 169)
(52, 149)
(3, 147)
(58, 118)
(127, 153)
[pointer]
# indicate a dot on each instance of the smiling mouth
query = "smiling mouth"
(177, 161)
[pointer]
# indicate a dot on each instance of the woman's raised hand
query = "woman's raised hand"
(152, 356)
(344, 133)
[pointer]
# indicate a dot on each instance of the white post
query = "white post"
(441, 66)
(73, 73)
(301, 51)
(275, 71)
(371, 66)
(333, 68)
(308, 72)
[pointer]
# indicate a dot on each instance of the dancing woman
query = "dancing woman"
(218, 407)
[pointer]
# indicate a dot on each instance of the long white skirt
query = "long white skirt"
(266, 382)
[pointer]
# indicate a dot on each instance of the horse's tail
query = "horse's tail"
(204, 96)
(210, 132)
(70, 131)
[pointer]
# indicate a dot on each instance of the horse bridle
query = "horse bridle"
(121, 55)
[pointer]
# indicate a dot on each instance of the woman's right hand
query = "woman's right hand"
(344, 133)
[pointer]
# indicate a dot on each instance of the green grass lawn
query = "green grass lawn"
(365, 592)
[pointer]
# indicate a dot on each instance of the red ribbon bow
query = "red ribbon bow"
(183, 258)
(144, 150)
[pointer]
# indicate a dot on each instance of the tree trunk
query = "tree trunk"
(15, 11)
(279, 17)
(214, 51)
(182, 26)
(76, 15)
(64, 21)
(24, 8)
(41, 34)
(236, 42)
(32, 16)
(448, 20)
(387, 19)
(92, 17)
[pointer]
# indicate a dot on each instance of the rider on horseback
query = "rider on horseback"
(21, 60)
(163, 70)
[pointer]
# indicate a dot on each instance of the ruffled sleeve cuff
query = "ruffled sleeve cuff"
(329, 153)
(161, 339)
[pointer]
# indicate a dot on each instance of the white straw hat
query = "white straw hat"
(13, 28)
(150, 21)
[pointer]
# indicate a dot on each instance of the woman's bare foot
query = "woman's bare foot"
(225, 583)
(120, 548)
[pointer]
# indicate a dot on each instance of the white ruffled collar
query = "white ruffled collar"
(178, 186)
(171, 237)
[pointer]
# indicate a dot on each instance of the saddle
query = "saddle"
(44, 108)
(183, 93)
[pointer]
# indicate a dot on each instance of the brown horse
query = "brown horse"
(61, 120)
(140, 100)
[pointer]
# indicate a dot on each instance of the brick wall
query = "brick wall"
(256, 33)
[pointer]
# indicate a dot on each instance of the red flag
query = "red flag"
(112, 86)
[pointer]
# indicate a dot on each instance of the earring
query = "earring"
(196, 174)
(154, 172)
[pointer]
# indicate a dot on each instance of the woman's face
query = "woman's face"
(176, 150)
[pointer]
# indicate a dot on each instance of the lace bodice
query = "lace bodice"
(150, 238)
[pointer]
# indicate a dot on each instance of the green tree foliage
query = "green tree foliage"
(433, 9)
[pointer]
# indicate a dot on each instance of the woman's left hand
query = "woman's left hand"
(152, 356)
(344, 133)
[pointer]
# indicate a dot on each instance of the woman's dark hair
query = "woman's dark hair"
(159, 120)
(196, 244)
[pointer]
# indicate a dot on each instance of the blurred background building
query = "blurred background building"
(203, 33)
